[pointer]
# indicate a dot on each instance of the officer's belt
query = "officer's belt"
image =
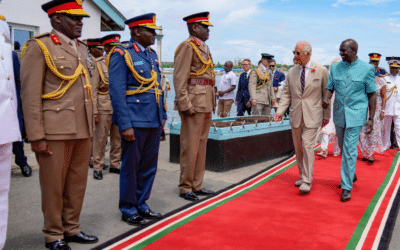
(103, 89)
(202, 82)
(131, 87)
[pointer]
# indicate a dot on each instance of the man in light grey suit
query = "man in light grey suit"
(262, 94)
(304, 89)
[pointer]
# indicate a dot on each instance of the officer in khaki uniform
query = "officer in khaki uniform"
(262, 94)
(58, 110)
(103, 113)
(194, 81)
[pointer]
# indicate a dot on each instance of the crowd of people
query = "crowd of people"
(72, 91)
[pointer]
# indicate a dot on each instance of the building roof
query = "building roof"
(111, 18)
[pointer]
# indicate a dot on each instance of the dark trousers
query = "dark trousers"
(18, 151)
(138, 170)
(241, 109)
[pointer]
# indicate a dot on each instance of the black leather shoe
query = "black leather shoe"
(162, 138)
(148, 214)
(105, 167)
(364, 159)
(135, 219)
(57, 245)
(97, 175)
(115, 170)
(90, 165)
(26, 170)
(189, 196)
(346, 195)
(204, 191)
(82, 238)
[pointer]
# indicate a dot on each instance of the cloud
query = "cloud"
(239, 15)
(357, 3)
(395, 13)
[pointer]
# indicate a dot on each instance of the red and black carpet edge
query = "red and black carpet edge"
(287, 220)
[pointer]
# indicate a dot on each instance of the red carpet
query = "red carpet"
(267, 212)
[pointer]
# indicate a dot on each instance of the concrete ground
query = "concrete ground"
(100, 215)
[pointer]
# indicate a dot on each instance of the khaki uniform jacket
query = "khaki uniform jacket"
(101, 102)
(264, 95)
(186, 61)
(307, 105)
(69, 117)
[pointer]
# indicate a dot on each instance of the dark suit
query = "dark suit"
(278, 77)
(144, 114)
(243, 95)
(18, 146)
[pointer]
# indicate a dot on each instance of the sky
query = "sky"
(245, 29)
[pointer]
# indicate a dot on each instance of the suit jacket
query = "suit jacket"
(351, 84)
(278, 77)
(65, 118)
(101, 102)
(140, 110)
(9, 128)
(200, 97)
(306, 105)
(243, 94)
(264, 95)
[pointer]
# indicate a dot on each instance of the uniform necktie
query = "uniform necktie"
(303, 79)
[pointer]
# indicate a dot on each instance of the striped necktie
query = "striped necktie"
(303, 79)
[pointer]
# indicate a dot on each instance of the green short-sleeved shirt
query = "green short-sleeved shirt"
(351, 84)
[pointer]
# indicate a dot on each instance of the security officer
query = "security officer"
(261, 90)
(102, 115)
(194, 81)
(374, 59)
(58, 112)
(137, 100)
(392, 112)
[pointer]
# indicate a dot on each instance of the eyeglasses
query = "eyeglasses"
(271, 66)
(296, 53)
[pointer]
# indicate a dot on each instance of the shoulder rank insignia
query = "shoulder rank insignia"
(2, 18)
(119, 51)
(77, 41)
(135, 47)
(55, 39)
(149, 49)
(196, 42)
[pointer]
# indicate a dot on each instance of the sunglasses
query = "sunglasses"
(271, 66)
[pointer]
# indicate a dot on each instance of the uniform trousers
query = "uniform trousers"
(100, 140)
(261, 109)
(138, 170)
(63, 177)
(18, 151)
(5, 175)
(224, 107)
(241, 109)
(387, 124)
(193, 143)
(348, 138)
(304, 140)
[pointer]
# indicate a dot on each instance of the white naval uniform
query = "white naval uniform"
(9, 126)
(392, 110)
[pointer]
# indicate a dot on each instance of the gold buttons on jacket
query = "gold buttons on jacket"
(58, 109)
(8, 77)
(197, 93)
(61, 67)
(11, 98)
(2, 58)
(137, 101)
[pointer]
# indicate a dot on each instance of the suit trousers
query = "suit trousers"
(5, 175)
(194, 136)
(261, 109)
(348, 138)
(304, 140)
(63, 177)
(241, 109)
(387, 124)
(138, 170)
(100, 140)
(224, 107)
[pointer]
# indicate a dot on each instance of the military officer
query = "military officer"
(138, 103)
(262, 94)
(194, 81)
(374, 59)
(58, 112)
(102, 115)
(392, 111)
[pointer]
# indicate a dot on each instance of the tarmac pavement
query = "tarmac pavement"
(100, 214)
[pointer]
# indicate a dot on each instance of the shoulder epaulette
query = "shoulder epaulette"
(195, 42)
(41, 35)
(125, 45)
(2, 18)
(119, 51)
(136, 47)
(55, 38)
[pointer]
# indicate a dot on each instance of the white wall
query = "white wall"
(29, 12)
